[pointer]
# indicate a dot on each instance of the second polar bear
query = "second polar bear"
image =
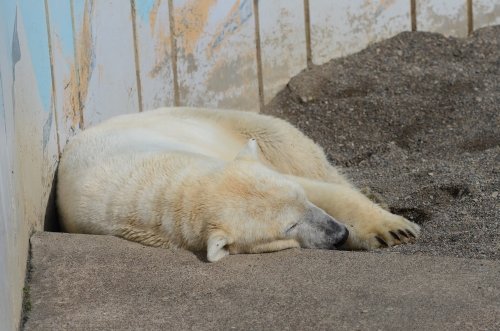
(223, 181)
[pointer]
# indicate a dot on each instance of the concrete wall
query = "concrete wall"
(66, 65)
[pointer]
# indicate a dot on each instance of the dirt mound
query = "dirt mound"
(417, 119)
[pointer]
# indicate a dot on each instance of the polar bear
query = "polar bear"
(220, 181)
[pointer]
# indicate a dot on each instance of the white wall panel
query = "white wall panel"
(283, 43)
(486, 12)
(343, 27)
(391, 18)
(448, 17)
(9, 301)
(66, 80)
(105, 55)
(216, 53)
(155, 53)
(35, 137)
(28, 140)
(10, 296)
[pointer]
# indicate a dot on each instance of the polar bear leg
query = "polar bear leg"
(370, 226)
(303, 158)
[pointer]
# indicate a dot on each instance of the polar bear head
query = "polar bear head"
(255, 209)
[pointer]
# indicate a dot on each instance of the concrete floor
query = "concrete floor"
(82, 282)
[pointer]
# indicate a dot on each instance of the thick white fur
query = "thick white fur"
(193, 178)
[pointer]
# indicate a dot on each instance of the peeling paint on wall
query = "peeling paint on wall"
(66, 87)
(153, 13)
(446, 17)
(239, 14)
(155, 54)
(486, 12)
(339, 28)
(47, 128)
(283, 43)
(145, 7)
(391, 18)
(84, 67)
(217, 58)
(343, 27)
(191, 19)
(72, 108)
(33, 14)
(106, 59)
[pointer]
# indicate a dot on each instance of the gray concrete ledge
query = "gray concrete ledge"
(82, 282)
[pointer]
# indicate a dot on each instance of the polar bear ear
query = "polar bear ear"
(250, 152)
(216, 247)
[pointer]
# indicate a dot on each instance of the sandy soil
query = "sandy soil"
(416, 118)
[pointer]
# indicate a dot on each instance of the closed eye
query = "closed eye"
(291, 227)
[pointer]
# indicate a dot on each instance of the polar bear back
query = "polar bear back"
(103, 168)
(159, 131)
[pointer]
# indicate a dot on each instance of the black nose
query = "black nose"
(343, 239)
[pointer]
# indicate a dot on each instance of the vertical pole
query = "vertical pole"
(413, 14)
(258, 54)
(173, 46)
(307, 21)
(54, 95)
(470, 18)
(76, 67)
(136, 55)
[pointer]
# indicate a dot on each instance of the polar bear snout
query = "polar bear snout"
(343, 239)
(337, 234)
(320, 230)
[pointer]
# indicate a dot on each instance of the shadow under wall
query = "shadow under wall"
(51, 222)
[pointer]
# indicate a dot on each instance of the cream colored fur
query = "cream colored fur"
(223, 181)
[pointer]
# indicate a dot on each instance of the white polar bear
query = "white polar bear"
(223, 181)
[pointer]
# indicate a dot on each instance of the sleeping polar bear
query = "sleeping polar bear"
(223, 181)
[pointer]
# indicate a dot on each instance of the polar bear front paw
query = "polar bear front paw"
(391, 231)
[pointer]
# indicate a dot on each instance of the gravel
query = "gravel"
(414, 119)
